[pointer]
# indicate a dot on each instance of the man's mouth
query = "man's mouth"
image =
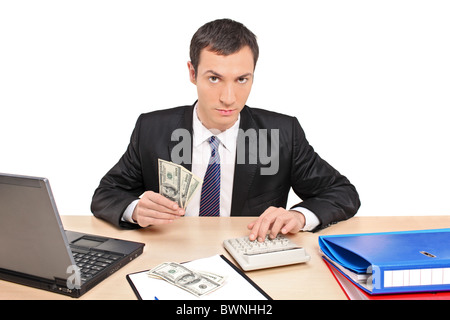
(226, 112)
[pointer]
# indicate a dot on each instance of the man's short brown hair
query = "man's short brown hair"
(224, 37)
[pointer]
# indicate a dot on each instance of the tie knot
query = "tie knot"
(214, 142)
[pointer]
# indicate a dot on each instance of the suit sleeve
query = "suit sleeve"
(323, 189)
(120, 186)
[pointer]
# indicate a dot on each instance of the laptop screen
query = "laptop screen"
(31, 232)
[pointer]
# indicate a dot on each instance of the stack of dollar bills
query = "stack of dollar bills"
(177, 183)
(198, 283)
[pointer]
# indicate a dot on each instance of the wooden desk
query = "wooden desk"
(194, 238)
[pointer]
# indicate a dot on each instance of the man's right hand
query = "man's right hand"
(153, 209)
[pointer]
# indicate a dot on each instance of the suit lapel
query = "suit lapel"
(185, 124)
(243, 173)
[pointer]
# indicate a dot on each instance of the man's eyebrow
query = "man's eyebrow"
(249, 74)
(213, 72)
(220, 76)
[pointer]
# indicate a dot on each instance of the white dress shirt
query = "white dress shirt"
(201, 152)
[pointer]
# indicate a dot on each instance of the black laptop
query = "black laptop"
(36, 251)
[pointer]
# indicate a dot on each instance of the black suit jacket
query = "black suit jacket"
(323, 190)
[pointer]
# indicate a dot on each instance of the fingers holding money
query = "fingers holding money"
(153, 209)
(177, 186)
(163, 204)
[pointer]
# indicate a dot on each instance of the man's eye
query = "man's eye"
(214, 79)
(242, 80)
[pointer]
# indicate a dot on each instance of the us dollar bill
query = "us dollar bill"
(170, 181)
(177, 183)
(186, 178)
(194, 185)
(213, 276)
(194, 282)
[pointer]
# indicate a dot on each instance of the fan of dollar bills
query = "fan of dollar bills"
(198, 283)
(177, 183)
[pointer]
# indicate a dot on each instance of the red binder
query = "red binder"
(353, 292)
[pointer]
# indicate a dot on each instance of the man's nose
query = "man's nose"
(228, 96)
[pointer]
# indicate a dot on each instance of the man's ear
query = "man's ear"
(192, 75)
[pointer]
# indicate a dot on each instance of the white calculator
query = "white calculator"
(252, 255)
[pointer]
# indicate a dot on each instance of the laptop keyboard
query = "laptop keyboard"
(91, 262)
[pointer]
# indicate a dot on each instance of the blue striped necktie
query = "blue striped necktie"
(210, 196)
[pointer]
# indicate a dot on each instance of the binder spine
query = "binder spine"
(389, 280)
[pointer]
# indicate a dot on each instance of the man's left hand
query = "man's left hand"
(275, 220)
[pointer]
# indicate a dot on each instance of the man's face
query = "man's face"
(223, 86)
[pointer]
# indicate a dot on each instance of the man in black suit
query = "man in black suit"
(262, 154)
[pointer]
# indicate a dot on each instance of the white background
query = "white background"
(368, 80)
